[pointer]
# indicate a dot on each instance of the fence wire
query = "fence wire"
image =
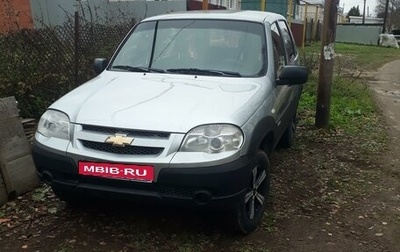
(38, 65)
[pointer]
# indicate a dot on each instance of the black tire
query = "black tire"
(249, 213)
(71, 198)
(287, 140)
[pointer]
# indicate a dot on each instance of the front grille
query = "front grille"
(136, 133)
(128, 150)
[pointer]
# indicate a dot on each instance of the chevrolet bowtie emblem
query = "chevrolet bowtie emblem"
(119, 140)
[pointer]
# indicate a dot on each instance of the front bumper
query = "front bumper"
(220, 186)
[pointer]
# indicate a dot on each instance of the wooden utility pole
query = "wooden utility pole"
(290, 12)
(315, 24)
(262, 5)
(326, 64)
(363, 19)
(385, 16)
(205, 5)
(304, 26)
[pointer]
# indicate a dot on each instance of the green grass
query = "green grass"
(366, 57)
(351, 103)
(353, 109)
(369, 57)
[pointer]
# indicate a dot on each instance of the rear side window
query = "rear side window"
(287, 41)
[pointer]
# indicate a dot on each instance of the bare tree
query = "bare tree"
(393, 15)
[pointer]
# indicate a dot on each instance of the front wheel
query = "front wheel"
(249, 213)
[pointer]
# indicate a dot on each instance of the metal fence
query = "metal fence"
(366, 34)
(40, 65)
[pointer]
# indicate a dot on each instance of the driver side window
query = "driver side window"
(137, 49)
(279, 52)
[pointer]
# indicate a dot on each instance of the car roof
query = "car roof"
(248, 15)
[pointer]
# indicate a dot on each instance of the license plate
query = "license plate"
(118, 171)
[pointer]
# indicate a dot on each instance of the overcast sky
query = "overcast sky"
(350, 3)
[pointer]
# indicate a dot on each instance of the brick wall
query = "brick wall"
(14, 15)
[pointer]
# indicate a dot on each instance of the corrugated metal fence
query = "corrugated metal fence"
(366, 34)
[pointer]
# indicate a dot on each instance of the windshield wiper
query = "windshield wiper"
(138, 69)
(203, 72)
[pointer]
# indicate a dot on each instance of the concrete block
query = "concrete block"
(8, 107)
(3, 191)
(17, 170)
(22, 175)
(13, 142)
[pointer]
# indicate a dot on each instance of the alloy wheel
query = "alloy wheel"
(254, 199)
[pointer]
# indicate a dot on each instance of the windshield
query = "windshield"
(202, 47)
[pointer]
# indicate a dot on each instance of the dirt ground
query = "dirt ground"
(327, 195)
(370, 222)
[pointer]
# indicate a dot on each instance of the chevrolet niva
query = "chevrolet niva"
(185, 112)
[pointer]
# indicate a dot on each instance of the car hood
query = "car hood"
(162, 102)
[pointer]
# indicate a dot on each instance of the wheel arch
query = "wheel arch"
(262, 136)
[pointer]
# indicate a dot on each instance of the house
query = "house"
(15, 15)
(227, 4)
(282, 6)
(314, 8)
(341, 18)
(368, 20)
(315, 11)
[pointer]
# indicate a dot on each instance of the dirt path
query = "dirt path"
(383, 207)
(387, 89)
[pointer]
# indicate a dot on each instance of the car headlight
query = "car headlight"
(54, 124)
(214, 138)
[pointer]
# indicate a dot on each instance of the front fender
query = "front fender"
(256, 132)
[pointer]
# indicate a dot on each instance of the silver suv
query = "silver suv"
(185, 112)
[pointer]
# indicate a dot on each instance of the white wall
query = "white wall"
(311, 10)
(368, 20)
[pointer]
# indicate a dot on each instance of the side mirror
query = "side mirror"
(99, 65)
(292, 75)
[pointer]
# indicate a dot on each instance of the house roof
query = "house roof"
(315, 2)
